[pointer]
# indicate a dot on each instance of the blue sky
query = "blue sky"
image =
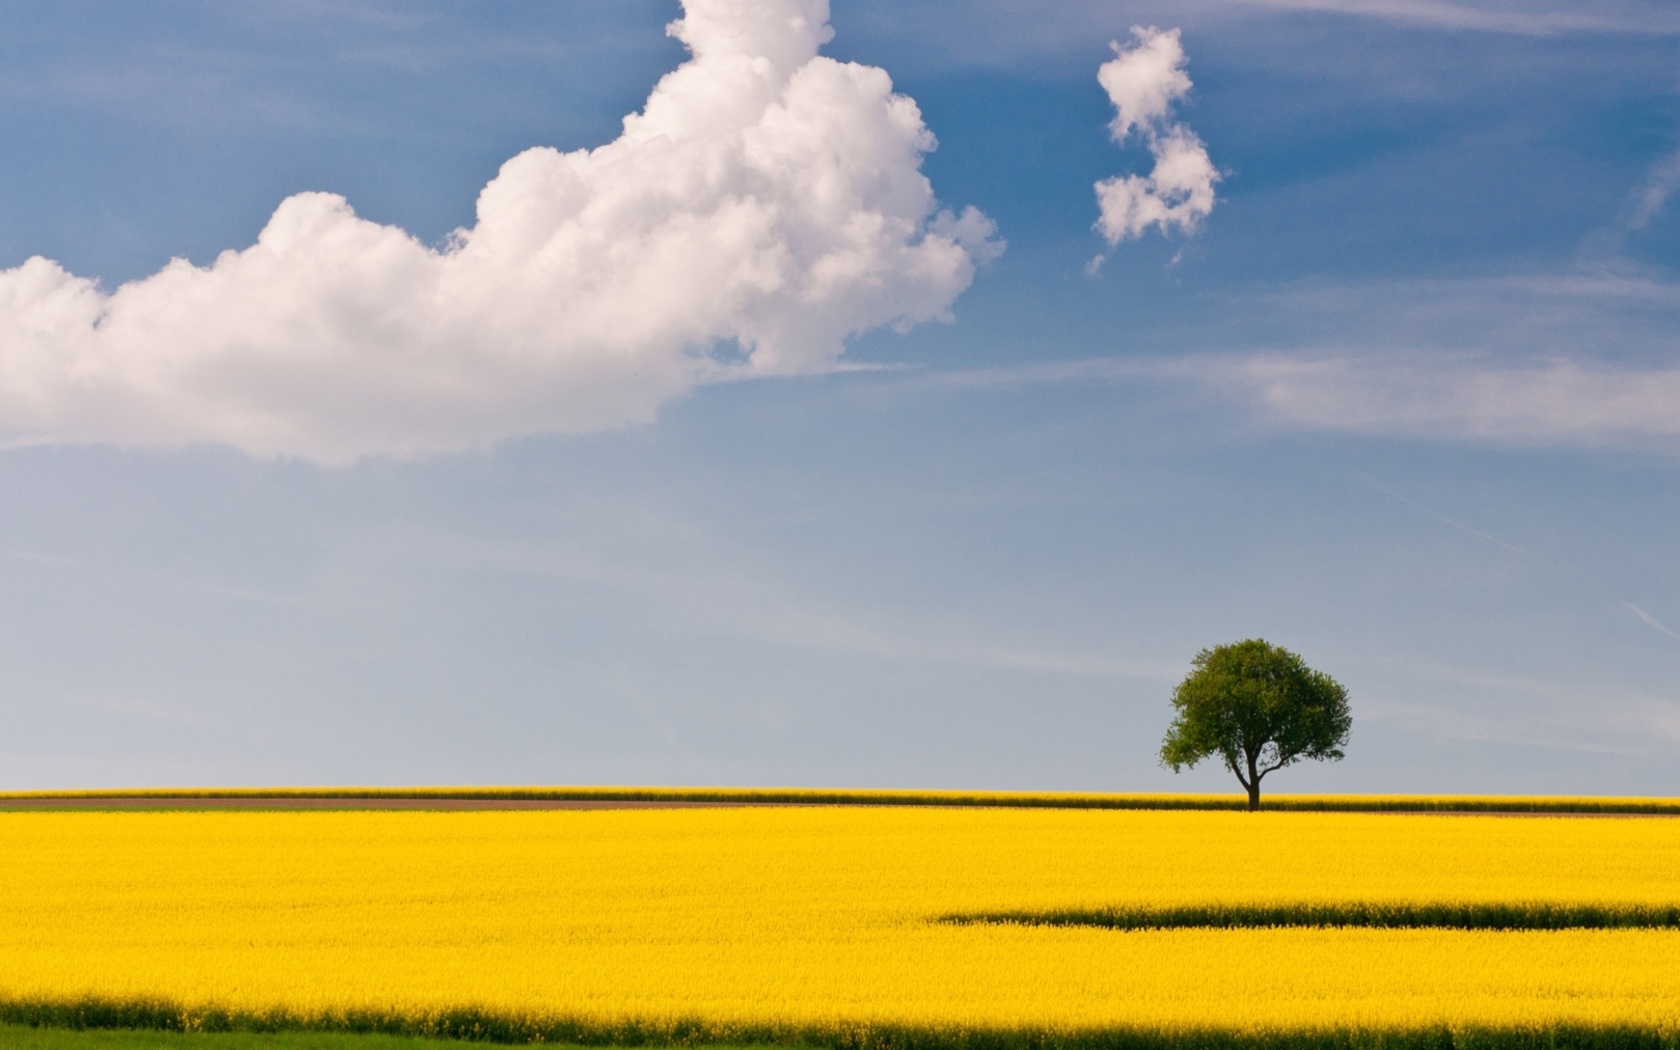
(1407, 402)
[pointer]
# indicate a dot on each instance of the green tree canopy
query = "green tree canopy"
(1259, 708)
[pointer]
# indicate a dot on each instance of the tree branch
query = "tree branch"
(1231, 764)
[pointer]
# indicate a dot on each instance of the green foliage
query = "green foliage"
(20, 1038)
(1452, 915)
(1259, 708)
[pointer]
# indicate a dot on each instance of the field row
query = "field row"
(1399, 915)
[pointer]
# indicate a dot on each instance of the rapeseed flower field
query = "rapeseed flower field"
(834, 925)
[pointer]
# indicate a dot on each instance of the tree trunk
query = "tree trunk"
(1253, 785)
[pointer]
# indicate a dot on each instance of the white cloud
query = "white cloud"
(766, 198)
(1143, 82)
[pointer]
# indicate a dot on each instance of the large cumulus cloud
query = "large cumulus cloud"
(766, 204)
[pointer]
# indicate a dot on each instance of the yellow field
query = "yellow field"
(815, 922)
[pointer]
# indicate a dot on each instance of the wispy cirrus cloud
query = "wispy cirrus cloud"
(1434, 395)
(1652, 195)
(1585, 358)
(1581, 359)
(1532, 711)
(1457, 396)
(1009, 32)
(1652, 622)
(1524, 19)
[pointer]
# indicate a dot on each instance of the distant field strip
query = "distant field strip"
(1395, 916)
(656, 796)
(820, 926)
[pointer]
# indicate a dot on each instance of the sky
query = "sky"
(897, 395)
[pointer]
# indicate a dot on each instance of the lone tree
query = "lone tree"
(1259, 708)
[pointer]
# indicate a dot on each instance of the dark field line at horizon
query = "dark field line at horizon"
(1326, 915)
(513, 798)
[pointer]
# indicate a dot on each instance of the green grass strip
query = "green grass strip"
(15, 1037)
(1405, 915)
(103, 1025)
(827, 796)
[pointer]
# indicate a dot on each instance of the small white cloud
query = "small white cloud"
(766, 198)
(1144, 81)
